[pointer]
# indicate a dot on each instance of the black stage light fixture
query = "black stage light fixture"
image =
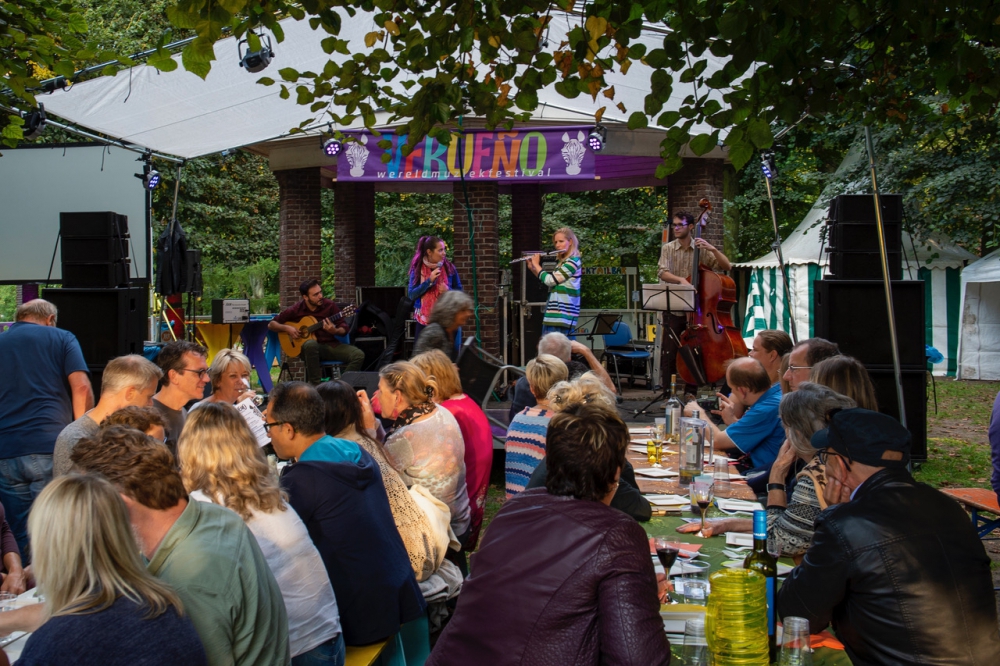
(34, 123)
(332, 146)
(767, 165)
(597, 138)
(150, 177)
(255, 61)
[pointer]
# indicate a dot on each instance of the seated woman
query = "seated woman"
(588, 388)
(526, 432)
(426, 446)
(451, 312)
(345, 419)
(847, 376)
(101, 604)
(230, 376)
(790, 522)
(476, 433)
(222, 463)
(561, 577)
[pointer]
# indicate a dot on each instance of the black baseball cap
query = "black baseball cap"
(867, 437)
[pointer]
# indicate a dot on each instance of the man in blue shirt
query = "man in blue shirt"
(759, 433)
(45, 386)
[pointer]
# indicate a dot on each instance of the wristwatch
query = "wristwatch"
(776, 486)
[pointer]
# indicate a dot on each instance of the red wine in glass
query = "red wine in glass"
(703, 504)
(667, 557)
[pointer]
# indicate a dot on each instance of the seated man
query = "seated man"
(337, 490)
(804, 356)
(127, 381)
(324, 346)
(202, 550)
(759, 433)
(185, 374)
(769, 347)
(894, 565)
(563, 349)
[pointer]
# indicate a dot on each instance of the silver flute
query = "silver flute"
(535, 254)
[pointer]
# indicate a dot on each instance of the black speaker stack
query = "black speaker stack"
(97, 302)
(850, 306)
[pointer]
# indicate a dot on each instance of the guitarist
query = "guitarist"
(324, 347)
(675, 267)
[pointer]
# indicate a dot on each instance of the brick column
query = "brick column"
(697, 179)
(483, 200)
(354, 238)
(526, 204)
(300, 221)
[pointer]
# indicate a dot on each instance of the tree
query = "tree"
(871, 60)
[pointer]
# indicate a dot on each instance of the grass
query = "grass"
(958, 453)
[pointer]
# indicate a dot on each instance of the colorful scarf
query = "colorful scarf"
(427, 301)
(411, 414)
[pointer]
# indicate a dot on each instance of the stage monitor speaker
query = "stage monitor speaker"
(362, 381)
(91, 225)
(192, 264)
(861, 208)
(106, 322)
(914, 400)
(852, 313)
(863, 266)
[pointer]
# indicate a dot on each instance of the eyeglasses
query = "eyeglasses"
(794, 368)
(679, 224)
(201, 373)
(268, 426)
(824, 455)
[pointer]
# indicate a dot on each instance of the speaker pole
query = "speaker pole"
(883, 251)
(770, 172)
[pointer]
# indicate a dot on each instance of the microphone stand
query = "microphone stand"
(767, 165)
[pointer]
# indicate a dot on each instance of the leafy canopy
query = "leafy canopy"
(865, 60)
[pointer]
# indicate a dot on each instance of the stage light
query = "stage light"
(255, 61)
(332, 147)
(767, 165)
(597, 138)
(150, 177)
(34, 123)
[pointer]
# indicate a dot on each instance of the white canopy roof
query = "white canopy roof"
(178, 113)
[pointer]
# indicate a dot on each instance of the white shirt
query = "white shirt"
(313, 618)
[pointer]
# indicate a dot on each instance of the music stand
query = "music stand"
(670, 299)
(602, 324)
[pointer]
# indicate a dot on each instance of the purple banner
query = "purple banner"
(517, 155)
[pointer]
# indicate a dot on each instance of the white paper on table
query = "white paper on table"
(739, 539)
(667, 500)
(736, 505)
(783, 569)
(637, 448)
(255, 419)
(641, 429)
(657, 472)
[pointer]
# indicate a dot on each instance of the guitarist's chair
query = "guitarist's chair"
(334, 369)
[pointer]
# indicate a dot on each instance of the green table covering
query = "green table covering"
(712, 549)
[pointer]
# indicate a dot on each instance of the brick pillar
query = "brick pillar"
(300, 221)
(354, 238)
(483, 200)
(526, 203)
(697, 179)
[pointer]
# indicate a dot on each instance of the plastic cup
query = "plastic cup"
(795, 650)
(695, 649)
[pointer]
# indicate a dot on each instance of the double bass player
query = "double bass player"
(675, 267)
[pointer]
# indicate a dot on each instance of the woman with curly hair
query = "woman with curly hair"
(431, 275)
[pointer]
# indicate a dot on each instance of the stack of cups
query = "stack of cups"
(695, 650)
(736, 622)
(794, 642)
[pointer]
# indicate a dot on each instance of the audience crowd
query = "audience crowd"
(166, 537)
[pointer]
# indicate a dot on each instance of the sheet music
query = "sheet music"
(255, 419)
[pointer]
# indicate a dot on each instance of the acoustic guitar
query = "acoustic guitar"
(307, 327)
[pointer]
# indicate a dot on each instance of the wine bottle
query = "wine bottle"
(764, 562)
(673, 412)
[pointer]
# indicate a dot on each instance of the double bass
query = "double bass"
(710, 340)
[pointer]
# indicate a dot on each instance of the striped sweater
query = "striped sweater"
(563, 305)
(525, 446)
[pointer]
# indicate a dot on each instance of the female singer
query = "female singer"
(563, 305)
(431, 274)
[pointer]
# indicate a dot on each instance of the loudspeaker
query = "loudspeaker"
(914, 400)
(534, 289)
(94, 250)
(852, 313)
(863, 237)
(87, 225)
(106, 322)
(863, 266)
(192, 261)
(100, 249)
(362, 381)
(106, 275)
(373, 347)
(532, 332)
(861, 208)
(385, 299)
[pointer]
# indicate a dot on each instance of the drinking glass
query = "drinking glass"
(694, 576)
(666, 552)
(660, 429)
(695, 650)
(795, 643)
(653, 453)
(701, 493)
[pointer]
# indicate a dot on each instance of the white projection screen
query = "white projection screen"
(38, 183)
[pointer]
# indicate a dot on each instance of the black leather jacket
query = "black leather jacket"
(902, 576)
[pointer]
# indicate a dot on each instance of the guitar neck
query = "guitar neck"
(333, 319)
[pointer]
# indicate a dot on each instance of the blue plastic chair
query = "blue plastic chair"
(618, 345)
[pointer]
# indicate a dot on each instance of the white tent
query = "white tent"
(979, 342)
(939, 264)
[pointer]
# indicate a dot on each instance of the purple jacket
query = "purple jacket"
(557, 581)
(994, 435)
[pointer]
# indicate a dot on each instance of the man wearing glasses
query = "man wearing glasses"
(895, 566)
(804, 356)
(185, 374)
(675, 267)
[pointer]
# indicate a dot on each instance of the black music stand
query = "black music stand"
(670, 299)
(602, 324)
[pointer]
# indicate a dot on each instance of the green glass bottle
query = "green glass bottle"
(764, 562)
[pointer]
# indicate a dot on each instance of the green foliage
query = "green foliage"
(8, 302)
(257, 282)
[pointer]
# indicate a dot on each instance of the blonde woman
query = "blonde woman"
(426, 445)
(230, 377)
(526, 432)
(221, 463)
(101, 604)
(476, 433)
(563, 305)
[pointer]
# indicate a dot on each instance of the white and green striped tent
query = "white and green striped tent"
(938, 263)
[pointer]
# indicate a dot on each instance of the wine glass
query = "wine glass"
(774, 547)
(701, 493)
(653, 453)
(666, 552)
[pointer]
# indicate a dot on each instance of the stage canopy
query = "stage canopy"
(177, 113)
